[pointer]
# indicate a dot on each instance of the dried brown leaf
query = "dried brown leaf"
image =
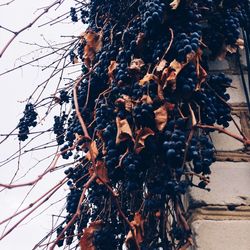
(187, 244)
(190, 56)
(202, 74)
(147, 78)
(174, 5)
(170, 74)
(147, 99)
(127, 101)
(161, 117)
(141, 137)
(86, 242)
(161, 65)
(101, 171)
(160, 92)
(112, 67)
(176, 66)
(138, 226)
(139, 39)
(124, 131)
(240, 43)
(93, 151)
(136, 64)
(93, 45)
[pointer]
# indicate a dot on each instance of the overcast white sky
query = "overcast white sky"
(15, 87)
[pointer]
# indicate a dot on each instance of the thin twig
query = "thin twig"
(28, 26)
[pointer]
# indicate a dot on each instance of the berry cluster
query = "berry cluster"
(27, 121)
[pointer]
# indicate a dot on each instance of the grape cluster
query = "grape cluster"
(73, 15)
(186, 45)
(27, 121)
(213, 100)
(232, 28)
(59, 129)
(64, 98)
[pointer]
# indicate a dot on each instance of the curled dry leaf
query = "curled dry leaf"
(112, 67)
(141, 136)
(240, 43)
(176, 66)
(147, 78)
(147, 99)
(75, 60)
(86, 242)
(174, 5)
(160, 92)
(127, 101)
(136, 64)
(169, 74)
(161, 117)
(93, 45)
(93, 151)
(138, 226)
(139, 39)
(101, 171)
(202, 74)
(124, 131)
(190, 56)
(188, 244)
(194, 121)
(160, 67)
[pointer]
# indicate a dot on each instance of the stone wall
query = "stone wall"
(220, 219)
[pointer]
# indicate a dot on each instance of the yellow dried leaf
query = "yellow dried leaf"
(174, 5)
(93, 151)
(161, 117)
(141, 137)
(86, 242)
(124, 131)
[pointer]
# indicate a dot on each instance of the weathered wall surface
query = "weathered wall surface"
(220, 219)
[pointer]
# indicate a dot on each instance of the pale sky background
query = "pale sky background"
(16, 87)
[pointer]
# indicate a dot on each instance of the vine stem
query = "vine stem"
(245, 141)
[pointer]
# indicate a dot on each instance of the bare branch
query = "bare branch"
(58, 2)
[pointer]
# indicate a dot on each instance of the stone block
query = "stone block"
(219, 235)
(218, 65)
(230, 182)
(223, 142)
(237, 95)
